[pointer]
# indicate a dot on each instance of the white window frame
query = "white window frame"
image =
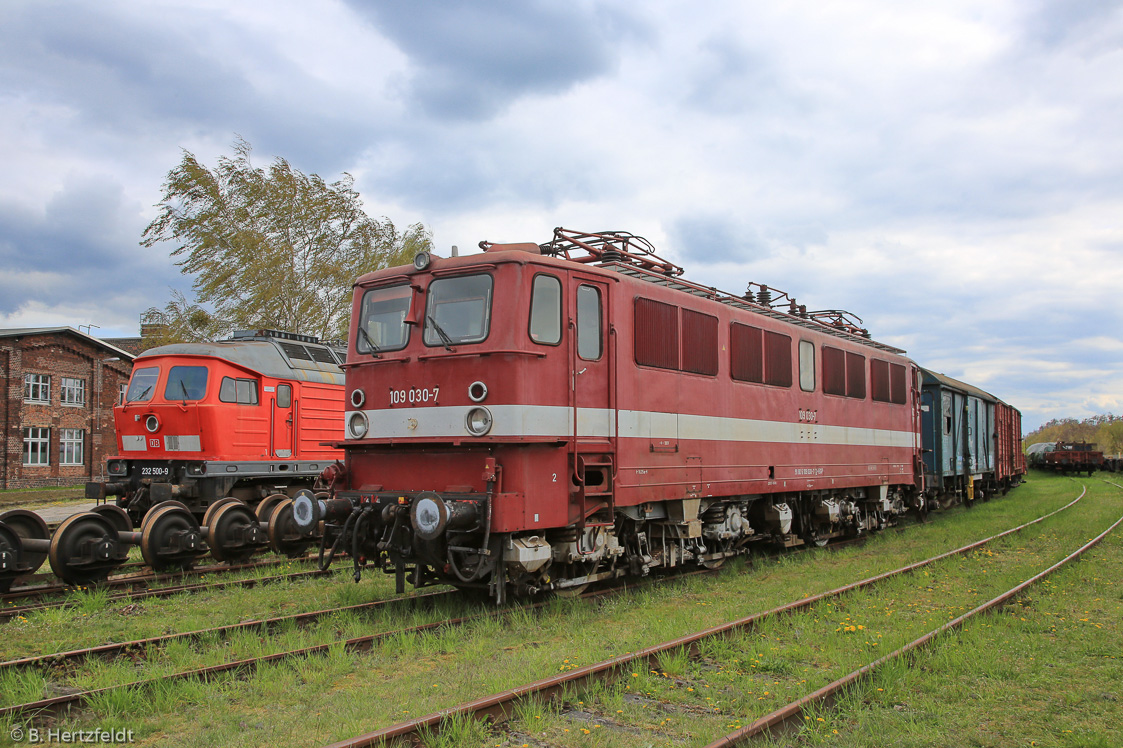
(71, 447)
(36, 446)
(72, 392)
(37, 388)
(123, 390)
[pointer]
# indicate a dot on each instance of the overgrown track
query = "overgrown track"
(356, 644)
(499, 707)
(796, 708)
(133, 580)
(10, 613)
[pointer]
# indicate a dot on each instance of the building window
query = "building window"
(36, 446)
(70, 446)
(37, 388)
(73, 391)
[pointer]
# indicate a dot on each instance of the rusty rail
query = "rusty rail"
(499, 706)
(7, 613)
(360, 643)
(793, 709)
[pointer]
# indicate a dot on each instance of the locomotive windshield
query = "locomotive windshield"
(458, 310)
(143, 384)
(382, 324)
(186, 383)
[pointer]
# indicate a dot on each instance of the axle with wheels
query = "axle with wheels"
(88, 546)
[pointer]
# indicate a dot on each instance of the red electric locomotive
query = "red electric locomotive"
(544, 416)
(245, 418)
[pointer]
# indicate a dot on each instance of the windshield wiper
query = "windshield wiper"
(130, 400)
(183, 387)
(445, 339)
(375, 350)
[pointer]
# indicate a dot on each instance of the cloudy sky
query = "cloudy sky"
(951, 172)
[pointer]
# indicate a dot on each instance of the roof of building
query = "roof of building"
(23, 332)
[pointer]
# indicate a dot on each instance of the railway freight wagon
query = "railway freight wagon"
(971, 441)
(246, 418)
(542, 417)
(1065, 457)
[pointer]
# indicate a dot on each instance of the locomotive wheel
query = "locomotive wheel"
(171, 538)
(28, 526)
(85, 549)
(152, 512)
(117, 516)
(215, 506)
(284, 537)
(268, 505)
(234, 533)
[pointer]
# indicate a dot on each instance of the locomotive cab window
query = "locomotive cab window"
(284, 395)
(588, 323)
(142, 385)
(186, 383)
(546, 310)
(458, 310)
(382, 317)
(243, 391)
(807, 366)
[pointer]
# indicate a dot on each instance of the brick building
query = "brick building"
(60, 386)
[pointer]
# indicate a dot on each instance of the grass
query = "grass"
(959, 693)
(35, 498)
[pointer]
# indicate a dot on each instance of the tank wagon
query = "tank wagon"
(540, 417)
(971, 441)
(1065, 457)
(246, 418)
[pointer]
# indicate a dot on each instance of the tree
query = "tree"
(269, 248)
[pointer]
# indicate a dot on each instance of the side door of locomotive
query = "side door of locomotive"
(591, 355)
(283, 420)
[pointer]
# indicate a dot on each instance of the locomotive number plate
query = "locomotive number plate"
(156, 471)
(414, 396)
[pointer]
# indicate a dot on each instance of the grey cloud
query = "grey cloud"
(84, 245)
(473, 59)
(127, 74)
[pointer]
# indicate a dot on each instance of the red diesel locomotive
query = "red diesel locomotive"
(246, 418)
(539, 417)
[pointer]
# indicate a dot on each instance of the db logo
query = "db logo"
(154, 443)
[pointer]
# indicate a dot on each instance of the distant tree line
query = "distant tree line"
(1105, 430)
(267, 248)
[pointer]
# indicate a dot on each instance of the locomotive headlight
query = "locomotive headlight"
(357, 424)
(358, 397)
(421, 260)
(117, 467)
(478, 421)
(152, 423)
(477, 392)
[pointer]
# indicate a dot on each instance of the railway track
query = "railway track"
(502, 703)
(23, 610)
(501, 706)
(140, 578)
